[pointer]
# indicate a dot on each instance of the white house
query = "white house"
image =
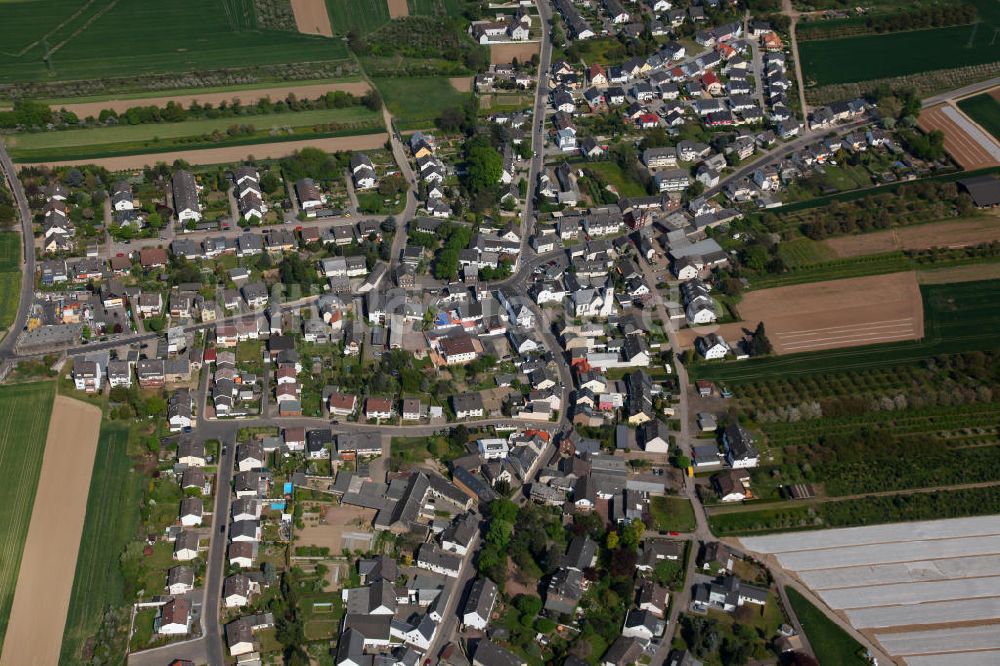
(712, 346)
(175, 618)
(493, 448)
(479, 606)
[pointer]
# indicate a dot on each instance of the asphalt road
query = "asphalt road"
(537, 125)
(214, 638)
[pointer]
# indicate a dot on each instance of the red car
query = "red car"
(675, 534)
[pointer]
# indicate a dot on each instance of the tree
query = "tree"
(372, 99)
(484, 166)
(760, 345)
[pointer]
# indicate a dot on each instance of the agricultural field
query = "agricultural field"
(436, 7)
(967, 144)
(24, 422)
(837, 313)
(98, 39)
(112, 513)
(984, 109)
(831, 644)
(132, 139)
(804, 252)
(365, 16)
(947, 233)
(957, 318)
(416, 102)
(862, 58)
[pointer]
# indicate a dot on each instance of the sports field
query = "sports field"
(112, 514)
(92, 39)
(416, 101)
(24, 422)
(852, 59)
(105, 141)
(984, 109)
(362, 15)
(957, 318)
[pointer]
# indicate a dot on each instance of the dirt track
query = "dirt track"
(311, 17)
(958, 233)
(45, 580)
(233, 153)
(248, 96)
(398, 8)
(838, 313)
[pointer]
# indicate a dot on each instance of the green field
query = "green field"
(852, 59)
(416, 101)
(169, 136)
(613, 174)
(112, 515)
(111, 38)
(957, 317)
(672, 513)
(804, 252)
(985, 110)
(24, 422)
(436, 7)
(833, 646)
(362, 15)
(10, 277)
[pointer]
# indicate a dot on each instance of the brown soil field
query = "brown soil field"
(336, 521)
(248, 96)
(232, 153)
(311, 17)
(398, 8)
(953, 274)
(957, 142)
(504, 53)
(461, 83)
(951, 234)
(838, 313)
(45, 580)
(731, 332)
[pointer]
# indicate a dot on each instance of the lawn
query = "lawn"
(130, 139)
(833, 646)
(957, 318)
(852, 59)
(108, 38)
(985, 110)
(10, 276)
(362, 15)
(112, 514)
(804, 252)
(24, 422)
(673, 514)
(416, 101)
(613, 174)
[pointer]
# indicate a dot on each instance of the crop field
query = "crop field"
(95, 39)
(984, 109)
(436, 7)
(837, 313)
(365, 16)
(957, 318)
(112, 513)
(948, 233)
(852, 59)
(24, 422)
(967, 144)
(415, 102)
(804, 252)
(103, 141)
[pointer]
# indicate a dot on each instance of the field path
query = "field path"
(45, 580)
